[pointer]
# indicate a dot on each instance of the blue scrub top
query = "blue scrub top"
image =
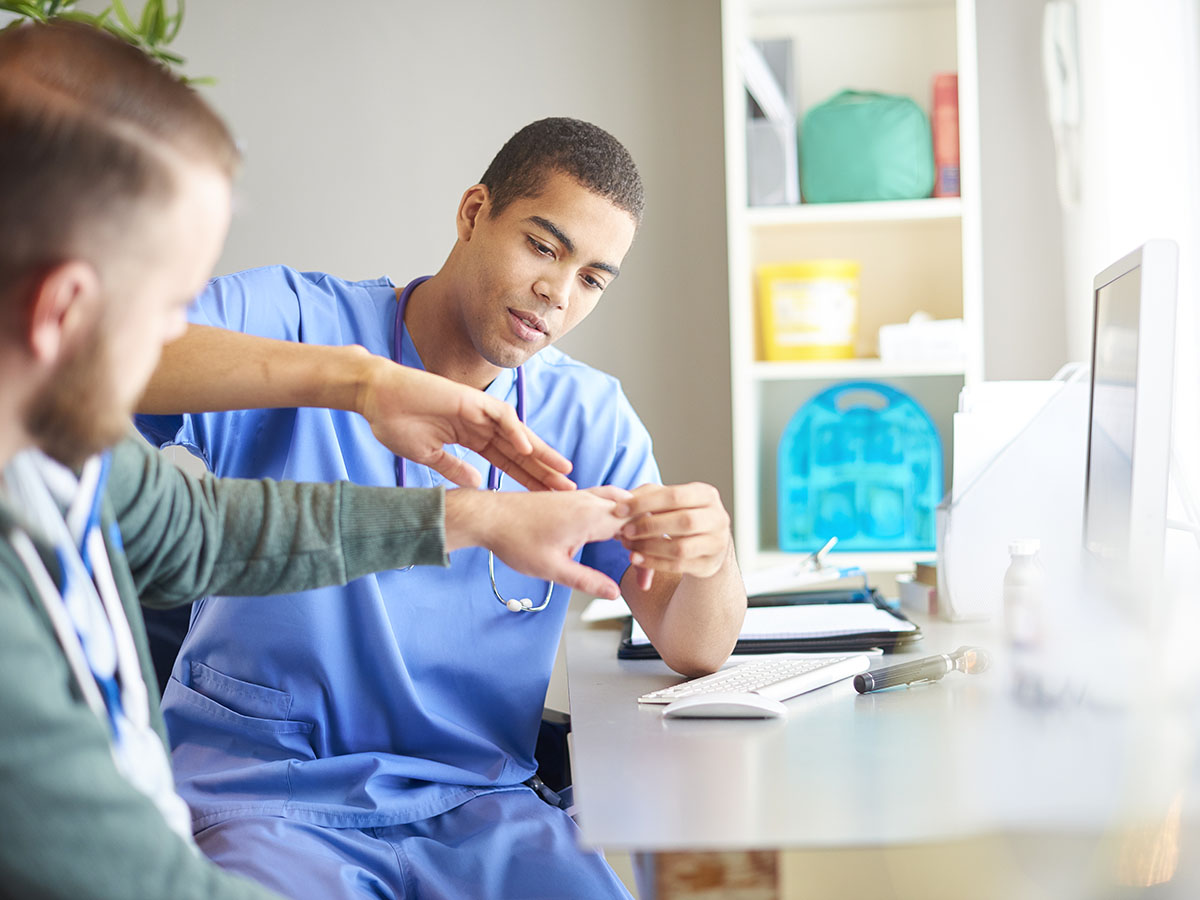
(405, 693)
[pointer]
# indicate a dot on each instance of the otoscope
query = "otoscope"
(968, 660)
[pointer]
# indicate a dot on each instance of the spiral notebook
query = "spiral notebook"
(811, 621)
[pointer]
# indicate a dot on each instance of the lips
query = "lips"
(527, 326)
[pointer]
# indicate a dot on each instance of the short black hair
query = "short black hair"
(587, 153)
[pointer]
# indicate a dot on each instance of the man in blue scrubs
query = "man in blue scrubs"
(376, 741)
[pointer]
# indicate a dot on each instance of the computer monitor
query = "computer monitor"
(1129, 417)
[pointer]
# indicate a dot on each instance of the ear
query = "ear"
(474, 203)
(64, 303)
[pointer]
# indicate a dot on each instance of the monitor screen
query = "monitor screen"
(1113, 407)
(1129, 422)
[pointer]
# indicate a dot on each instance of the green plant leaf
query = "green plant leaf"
(154, 24)
(118, 31)
(28, 10)
(175, 22)
(75, 15)
(123, 14)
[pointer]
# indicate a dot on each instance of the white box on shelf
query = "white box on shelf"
(916, 595)
(923, 340)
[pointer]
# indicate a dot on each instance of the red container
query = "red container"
(945, 135)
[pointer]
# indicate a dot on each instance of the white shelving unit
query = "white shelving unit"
(915, 254)
(828, 213)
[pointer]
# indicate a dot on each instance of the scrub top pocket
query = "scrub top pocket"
(240, 718)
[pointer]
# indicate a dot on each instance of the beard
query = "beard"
(73, 417)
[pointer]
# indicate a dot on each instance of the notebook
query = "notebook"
(810, 621)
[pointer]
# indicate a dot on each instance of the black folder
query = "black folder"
(899, 633)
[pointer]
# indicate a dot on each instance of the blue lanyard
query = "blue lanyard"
(493, 481)
(109, 687)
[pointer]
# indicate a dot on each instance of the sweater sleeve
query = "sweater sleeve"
(186, 537)
(70, 825)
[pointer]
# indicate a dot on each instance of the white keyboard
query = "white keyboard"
(772, 676)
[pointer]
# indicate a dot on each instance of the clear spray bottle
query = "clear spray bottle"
(1024, 596)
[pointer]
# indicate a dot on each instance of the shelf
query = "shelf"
(915, 255)
(896, 561)
(852, 368)
(879, 211)
(807, 7)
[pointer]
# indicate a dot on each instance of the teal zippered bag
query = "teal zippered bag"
(862, 145)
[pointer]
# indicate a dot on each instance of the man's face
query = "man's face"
(148, 282)
(538, 268)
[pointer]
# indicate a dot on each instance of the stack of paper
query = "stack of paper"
(815, 620)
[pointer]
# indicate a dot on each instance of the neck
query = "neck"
(441, 338)
(13, 401)
(10, 446)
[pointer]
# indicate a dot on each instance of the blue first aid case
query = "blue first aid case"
(862, 462)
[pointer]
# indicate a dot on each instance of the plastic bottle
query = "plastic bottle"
(1024, 595)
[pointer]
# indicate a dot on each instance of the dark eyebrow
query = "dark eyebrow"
(554, 230)
(557, 232)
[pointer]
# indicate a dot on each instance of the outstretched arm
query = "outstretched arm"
(185, 537)
(413, 413)
(539, 534)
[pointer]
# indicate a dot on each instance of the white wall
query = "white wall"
(1140, 176)
(1024, 310)
(1141, 136)
(364, 122)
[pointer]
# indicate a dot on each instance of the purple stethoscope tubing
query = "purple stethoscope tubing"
(493, 480)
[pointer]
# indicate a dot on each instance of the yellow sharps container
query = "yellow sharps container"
(808, 309)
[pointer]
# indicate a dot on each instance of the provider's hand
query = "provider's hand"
(539, 534)
(680, 528)
(415, 414)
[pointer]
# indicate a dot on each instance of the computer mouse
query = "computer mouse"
(725, 706)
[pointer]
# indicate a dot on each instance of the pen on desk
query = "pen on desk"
(968, 660)
(816, 560)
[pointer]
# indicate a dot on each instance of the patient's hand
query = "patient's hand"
(680, 528)
(415, 413)
(539, 534)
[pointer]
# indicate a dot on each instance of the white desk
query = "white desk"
(927, 763)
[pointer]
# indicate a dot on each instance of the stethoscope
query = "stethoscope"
(494, 474)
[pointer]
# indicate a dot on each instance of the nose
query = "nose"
(554, 288)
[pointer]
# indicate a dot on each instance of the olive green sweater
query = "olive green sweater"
(70, 825)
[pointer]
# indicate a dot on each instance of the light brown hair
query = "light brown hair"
(89, 130)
